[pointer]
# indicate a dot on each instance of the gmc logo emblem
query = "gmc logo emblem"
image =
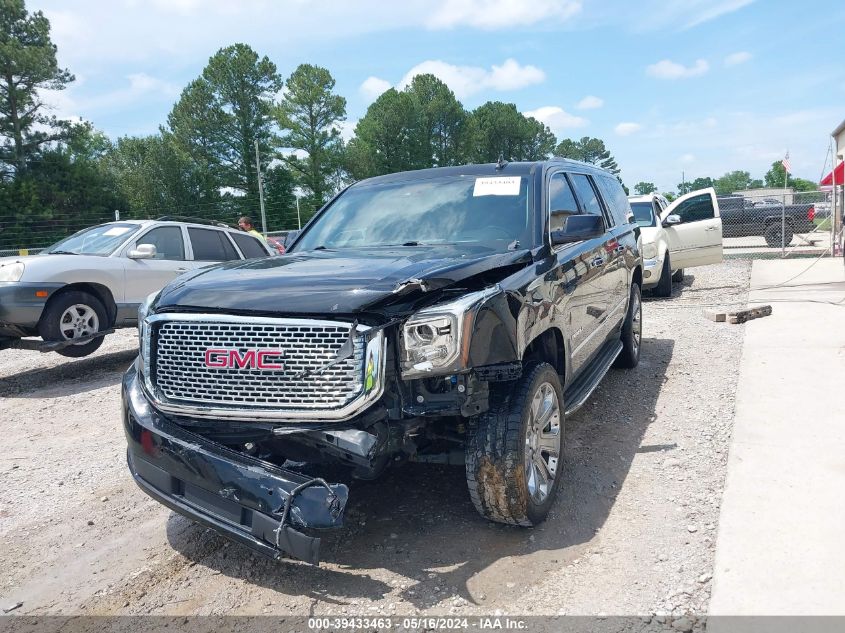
(250, 359)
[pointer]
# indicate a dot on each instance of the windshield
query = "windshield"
(643, 213)
(98, 240)
(489, 211)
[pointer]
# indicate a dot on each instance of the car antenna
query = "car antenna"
(501, 163)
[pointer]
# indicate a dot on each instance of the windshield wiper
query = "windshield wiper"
(61, 253)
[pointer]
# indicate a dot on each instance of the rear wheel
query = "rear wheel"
(773, 237)
(514, 451)
(664, 286)
(632, 331)
(71, 315)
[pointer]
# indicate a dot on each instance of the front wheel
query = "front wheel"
(73, 315)
(514, 451)
(664, 286)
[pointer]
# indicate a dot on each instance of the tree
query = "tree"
(442, 118)
(732, 181)
(279, 184)
(157, 179)
(27, 66)
(589, 150)
(500, 130)
(644, 188)
(63, 191)
(774, 178)
(670, 195)
(221, 115)
(311, 114)
(388, 138)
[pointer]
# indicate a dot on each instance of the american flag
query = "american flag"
(785, 163)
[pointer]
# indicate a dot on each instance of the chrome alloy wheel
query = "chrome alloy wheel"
(77, 321)
(542, 442)
(636, 321)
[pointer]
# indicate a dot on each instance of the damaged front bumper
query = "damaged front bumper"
(246, 499)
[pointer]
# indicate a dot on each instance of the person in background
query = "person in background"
(245, 224)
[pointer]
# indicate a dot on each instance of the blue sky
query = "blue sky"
(700, 86)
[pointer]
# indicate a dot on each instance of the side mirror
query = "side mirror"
(672, 219)
(579, 227)
(143, 251)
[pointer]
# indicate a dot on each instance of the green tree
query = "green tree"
(221, 115)
(775, 178)
(643, 188)
(27, 66)
(442, 118)
(311, 114)
(499, 129)
(388, 138)
(279, 184)
(732, 181)
(157, 179)
(63, 191)
(589, 150)
(670, 195)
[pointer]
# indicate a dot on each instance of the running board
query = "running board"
(578, 392)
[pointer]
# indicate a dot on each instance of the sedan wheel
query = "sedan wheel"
(79, 320)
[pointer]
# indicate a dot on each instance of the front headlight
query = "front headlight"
(432, 339)
(144, 333)
(649, 250)
(11, 272)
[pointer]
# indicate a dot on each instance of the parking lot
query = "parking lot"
(633, 530)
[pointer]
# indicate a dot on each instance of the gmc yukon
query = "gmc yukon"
(451, 315)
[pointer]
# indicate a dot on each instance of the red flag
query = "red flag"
(785, 163)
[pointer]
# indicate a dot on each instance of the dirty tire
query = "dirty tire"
(678, 275)
(631, 336)
(772, 235)
(496, 452)
(664, 286)
(49, 327)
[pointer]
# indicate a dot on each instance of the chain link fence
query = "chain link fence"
(30, 235)
(777, 223)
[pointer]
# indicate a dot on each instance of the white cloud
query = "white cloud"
(590, 103)
(501, 14)
(627, 128)
(557, 118)
(712, 10)
(688, 158)
(372, 87)
(667, 69)
(737, 58)
(468, 80)
(346, 129)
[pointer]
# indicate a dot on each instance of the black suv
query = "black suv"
(445, 315)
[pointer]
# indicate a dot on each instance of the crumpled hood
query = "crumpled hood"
(327, 281)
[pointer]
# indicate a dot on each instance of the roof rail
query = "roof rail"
(192, 220)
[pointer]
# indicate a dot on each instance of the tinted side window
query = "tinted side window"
(561, 199)
(249, 246)
(168, 242)
(586, 195)
(211, 246)
(696, 209)
(614, 196)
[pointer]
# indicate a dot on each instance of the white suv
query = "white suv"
(682, 234)
(95, 279)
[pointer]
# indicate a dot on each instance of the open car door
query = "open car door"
(694, 229)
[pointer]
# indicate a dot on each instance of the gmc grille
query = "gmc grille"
(181, 375)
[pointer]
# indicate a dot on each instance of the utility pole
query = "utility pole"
(260, 190)
(683, 182)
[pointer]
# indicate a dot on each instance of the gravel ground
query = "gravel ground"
(632, 533)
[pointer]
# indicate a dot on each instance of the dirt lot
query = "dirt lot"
(632, 532)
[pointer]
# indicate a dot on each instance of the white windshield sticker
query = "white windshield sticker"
(117, 230)
(500, 186)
